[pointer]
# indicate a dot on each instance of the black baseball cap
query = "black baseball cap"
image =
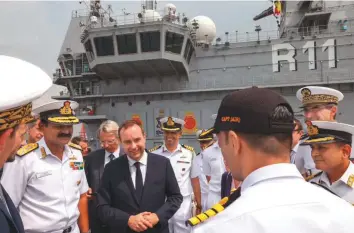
(250, 111)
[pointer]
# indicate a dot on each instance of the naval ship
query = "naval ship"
(153, 64)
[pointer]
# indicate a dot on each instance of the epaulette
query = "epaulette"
(27, 149)
(154, 148)
(313, 176)
(198, 154)
(217, 208)
(188, 147)
(75, 146)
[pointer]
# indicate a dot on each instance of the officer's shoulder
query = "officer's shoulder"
(188, 147)
(75, 146)
(155, 148)
(309, 178)
(26, 149)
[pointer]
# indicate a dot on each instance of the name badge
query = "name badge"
(43, 174)
(180, 161)
(77, 165)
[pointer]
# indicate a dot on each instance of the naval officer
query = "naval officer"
(331, 144)
(50, 186)
(182, 158)
(21, 83)
(203, 142)
(213, 168)
(319, 104)
(254, 128)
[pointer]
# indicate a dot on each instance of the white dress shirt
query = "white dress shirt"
(45, 189)
(276, 199)
(107, 154)
(143, 166)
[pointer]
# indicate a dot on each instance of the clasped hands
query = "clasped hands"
(142, 221)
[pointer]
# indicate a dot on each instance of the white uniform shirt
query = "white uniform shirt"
(45, 189)
(344, 187)
(276, 199)
(143, 165)
(184, 166)
(202, 179)
(213, 166)
(107, 154)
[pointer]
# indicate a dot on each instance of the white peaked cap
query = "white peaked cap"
(21, 82)
(316, 94)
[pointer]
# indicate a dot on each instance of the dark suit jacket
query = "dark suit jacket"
(13, 223)
(117, 200)
(94, 166)
(226, 184)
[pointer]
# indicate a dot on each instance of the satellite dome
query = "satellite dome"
(169, 9)
(150, 16)
(206, 27)
(170, 12)
(93, 19)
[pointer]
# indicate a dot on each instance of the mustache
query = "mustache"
(64, 135)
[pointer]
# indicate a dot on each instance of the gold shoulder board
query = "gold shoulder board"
(27, 149)
(154, 148)
(75, 146)
(313, 176)
(188, 147)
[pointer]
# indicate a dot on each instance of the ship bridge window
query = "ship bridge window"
(85, 64)
(174, 42)
(150, 41)
(127, 44)
(104, 46)
(69, 67)
(89, 50)
(188, 51)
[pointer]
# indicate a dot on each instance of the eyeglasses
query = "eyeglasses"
(109, 142)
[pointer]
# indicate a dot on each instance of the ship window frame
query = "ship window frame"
(89, 50)
(126, 44)
(175, 49)
(104, 53)
(148, 50)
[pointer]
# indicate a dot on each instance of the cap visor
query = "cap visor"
(72, 120)
(170, 129)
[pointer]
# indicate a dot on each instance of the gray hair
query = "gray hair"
(109, 127)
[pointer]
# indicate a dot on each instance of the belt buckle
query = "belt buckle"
(67, 230)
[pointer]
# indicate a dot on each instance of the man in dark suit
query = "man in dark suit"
(15, 112)
(95, 163)
(139, 191)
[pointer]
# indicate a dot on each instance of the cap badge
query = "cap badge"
(311, 129)
(305, 92)
(170, 122)
(66, 109)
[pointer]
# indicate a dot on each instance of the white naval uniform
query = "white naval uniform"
(276, 199)
(185, 167)
(203, 182)
(344, 187)
(45, 189)
(213, 166)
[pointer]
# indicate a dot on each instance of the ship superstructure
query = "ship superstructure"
(152, 64)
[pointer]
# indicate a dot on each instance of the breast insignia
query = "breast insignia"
(350, 181)
(155, 148)
(75, 146)
(188, 147)
(27, 149)
(217, 208)
(313, 176)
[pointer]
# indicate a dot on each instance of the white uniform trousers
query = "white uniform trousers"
(177, 224)
(204, 201)
(213, 198)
